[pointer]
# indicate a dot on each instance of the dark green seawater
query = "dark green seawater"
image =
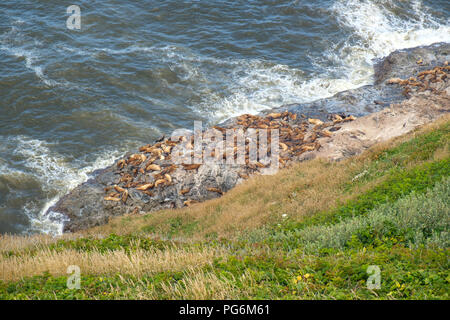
(73, 101)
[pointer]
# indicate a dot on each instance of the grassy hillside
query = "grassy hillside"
(309, 232)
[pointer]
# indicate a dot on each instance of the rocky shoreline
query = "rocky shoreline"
(411, 88)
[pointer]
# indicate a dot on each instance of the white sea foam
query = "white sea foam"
(229, 87)
(379, 33)
(256, 84)
(250, 85)
(55, 175)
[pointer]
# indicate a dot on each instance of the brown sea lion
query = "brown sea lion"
(112, 199)
(159, 181)
(145, 187)
(153, 167)
(212, 189)
(184, 191)
(188, 203)
(316, 122)
(190, 166)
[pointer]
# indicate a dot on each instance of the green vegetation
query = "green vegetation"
(394, 213)
(398, 183)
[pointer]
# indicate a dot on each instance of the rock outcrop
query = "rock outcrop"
(411, 88)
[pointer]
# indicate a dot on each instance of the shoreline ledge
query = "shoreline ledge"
(411, 88)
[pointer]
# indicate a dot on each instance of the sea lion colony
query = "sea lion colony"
(425, 81)
(149, 181)
(151, 170)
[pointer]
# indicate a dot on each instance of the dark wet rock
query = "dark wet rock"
(86, 206)
(403, 63)
(150, 179)
(372, 98)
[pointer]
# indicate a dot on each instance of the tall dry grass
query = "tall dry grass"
(195, 284)
(118, 261)
(18, 242)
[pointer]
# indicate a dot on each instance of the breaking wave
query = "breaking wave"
(35, 161)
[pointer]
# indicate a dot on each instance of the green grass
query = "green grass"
(419, 219)
(400, 224)
(93, 287)
(399, 182)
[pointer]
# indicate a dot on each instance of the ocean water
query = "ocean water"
(72, 101)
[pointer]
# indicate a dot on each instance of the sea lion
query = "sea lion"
(350, 118)
(188, 203)
(166, 148)
(114, 194)
(283, 146)
(406, 92)
(158, 152)
(125, 196)
(184, 191)
(274, 115)
(169, 169)
(144, 148)
(153, 167)
(316, 122)
(396, 81)
(222, 130)
(326, 133)
(145, 187)
(121, 163)
(159, 181)
(243, 175)
(126, 178)
(172, 143)
(112, 199)
(298, 137)
(260, 165)
(138, 157)
(149, 193)
(212, 189)
(119, 189)
(190, 166)
(306, 147)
